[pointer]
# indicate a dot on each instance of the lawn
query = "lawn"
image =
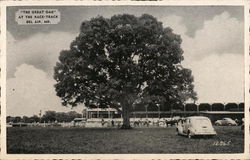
(230, 139)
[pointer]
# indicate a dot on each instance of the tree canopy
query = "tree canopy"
(123, 60)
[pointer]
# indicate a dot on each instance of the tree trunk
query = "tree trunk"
(126, 117)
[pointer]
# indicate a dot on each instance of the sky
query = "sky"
(212, 40)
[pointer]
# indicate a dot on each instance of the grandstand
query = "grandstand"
(214, 111)
(101, 113)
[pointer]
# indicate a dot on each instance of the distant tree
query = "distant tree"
(114, 62)
(9, 119)
(25, 119)
(72, 115)
(49, 116)
(33, 119)
(67, 117)
(17, 119)
(61, 117)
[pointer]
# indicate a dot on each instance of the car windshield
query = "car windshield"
(201, 122)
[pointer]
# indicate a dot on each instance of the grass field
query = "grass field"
(230, 139)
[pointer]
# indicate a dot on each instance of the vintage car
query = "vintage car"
(225, 122)
(195, 126)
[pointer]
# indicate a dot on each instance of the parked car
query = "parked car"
(172, 121)
(225, 122)
(194, 126)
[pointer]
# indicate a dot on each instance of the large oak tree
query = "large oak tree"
(123, 60)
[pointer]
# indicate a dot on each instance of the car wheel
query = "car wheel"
(177, 132)
(217, 124)
(189, 135)
(242, 127)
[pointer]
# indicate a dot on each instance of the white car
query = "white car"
(225, 122)
(194, 126)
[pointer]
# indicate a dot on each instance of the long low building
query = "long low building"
(213, 111)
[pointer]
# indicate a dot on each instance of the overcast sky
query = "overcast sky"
(213, 44)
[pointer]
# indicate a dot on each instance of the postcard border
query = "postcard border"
(122, 156)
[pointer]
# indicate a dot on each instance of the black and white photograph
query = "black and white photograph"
(124, 79)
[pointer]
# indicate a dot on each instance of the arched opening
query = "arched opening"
(204, 107)
(241, 107)
(231, 107)
(191, 107)
(217, 107)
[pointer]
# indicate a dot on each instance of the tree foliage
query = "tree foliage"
(49, 116)
(118, 61)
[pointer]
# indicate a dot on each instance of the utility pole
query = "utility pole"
(158, 105)
(40, 116)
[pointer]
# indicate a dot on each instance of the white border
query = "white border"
(247, 97)
(3, 79)
(244, 155)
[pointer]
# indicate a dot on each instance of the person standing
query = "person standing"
(102, 122)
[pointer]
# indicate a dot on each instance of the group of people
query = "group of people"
(158, 123)
(142, 123)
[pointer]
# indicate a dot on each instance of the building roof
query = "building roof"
(101, 109)
(222, 112)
